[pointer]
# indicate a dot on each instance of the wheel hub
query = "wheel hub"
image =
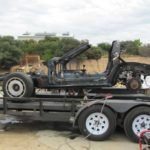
(143, 125)
(16, 87)
(134, 84)
(97, 123)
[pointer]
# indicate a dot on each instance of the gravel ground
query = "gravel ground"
(46, 136)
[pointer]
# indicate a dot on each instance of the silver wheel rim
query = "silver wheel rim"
(141, 123)
(97, 123)
(15, 87)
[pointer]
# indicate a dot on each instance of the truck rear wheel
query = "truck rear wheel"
(97, 125)
(137, 121)
(18, 85)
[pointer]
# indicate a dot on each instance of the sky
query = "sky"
(95, 20)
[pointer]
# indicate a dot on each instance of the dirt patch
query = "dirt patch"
(93, 66)
(45, 136)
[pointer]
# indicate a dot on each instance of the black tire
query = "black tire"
(134, 84)
(97, 109)
(18, 85)
(129, 121)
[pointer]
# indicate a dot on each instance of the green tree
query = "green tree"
(28, 47)
(104, 46)
(93, 53)
(9, 52)
(145, 50)
(55, 47)
(66, 44)
(131, 47)
(12, 50)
